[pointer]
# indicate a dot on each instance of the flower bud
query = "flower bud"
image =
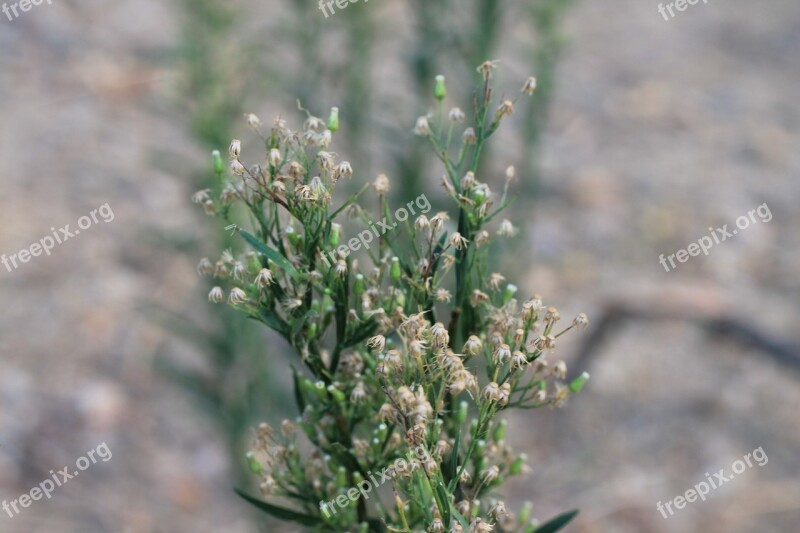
(518, 465)
(577, 384)
(394, 271)
(336, 230)
(333, 119)
(253, 464)
(439, 90)
(216, 162)
(525, 513)
(461, 414)
(509, 293)
(500, 431)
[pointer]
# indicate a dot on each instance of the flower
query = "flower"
(216, 295)
(235, 148)
(253, 121)
(473, 345)
(501, 354)
(237, 296)
(377, 343)
(264, 278)
(518, 360)
(457, 241)
(456, 115)
(581, 321)
(381, 184)
(422, 128)
(469, 137)
(529, 86)
(358, 394)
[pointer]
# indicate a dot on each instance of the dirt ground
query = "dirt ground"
(660, 130)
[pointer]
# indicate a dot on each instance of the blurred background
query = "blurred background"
(643, 133)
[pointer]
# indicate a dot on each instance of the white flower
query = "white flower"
(235, 148)
(216, 295)
(422, 128)
(237, 296)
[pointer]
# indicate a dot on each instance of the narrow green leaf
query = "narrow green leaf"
(458, 516)
(280, 512)
(298, 393)
(444, 498)
(557, 523)
(269, 253)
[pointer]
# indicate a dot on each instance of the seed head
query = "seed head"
(237, 296)
(529, 86)
(422, 128)
(216, 295)
(469, 137)
(235, 148)
(381, 184)
(264, 278)
(456, 115)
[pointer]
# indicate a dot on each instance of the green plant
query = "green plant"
(381, 388)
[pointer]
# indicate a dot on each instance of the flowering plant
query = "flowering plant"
(399, 347)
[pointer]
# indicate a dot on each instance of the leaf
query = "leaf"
(298, 393)
(273, 321)
(280, 512)
(557, 523)
(271, 254)
(454, 455)
(458, 516)
(444, 498)
(347, 459)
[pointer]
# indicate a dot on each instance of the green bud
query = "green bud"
(479, 195)
(382, 432)
(308, 386)
(517, 465)
(327, 301)
(525, 513)
(509, 293)
(363, 527)
(480, 447)
(333, 119)
(294, 238)
(337, 394)
(359, 286)
(253, 463)
(439, 90)
(335, 235)
(461, 414)
(315, 305)
(394, 270)
(312, 330)
(216, 161)
(400, 298)
(357, 478)
(253, 262)
(319, 390)
(476, 508)
(500, 431)
(341, 477)
(578, 383)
